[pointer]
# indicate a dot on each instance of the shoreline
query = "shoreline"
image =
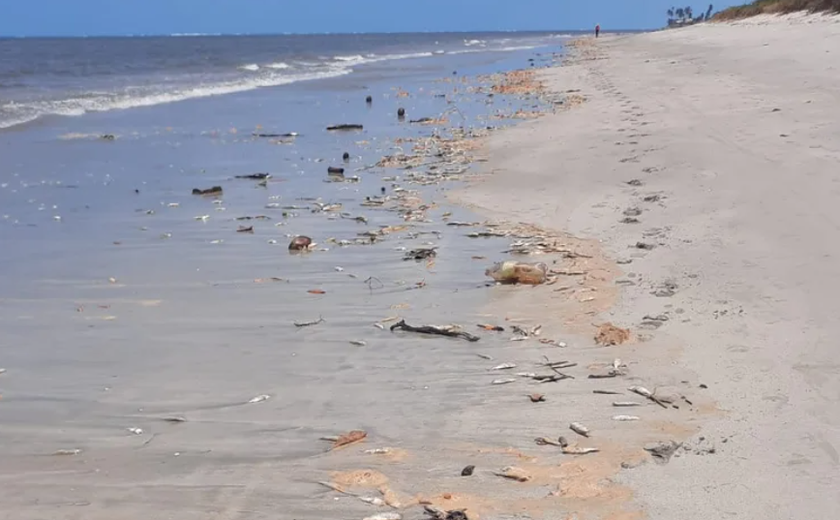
(684, 146)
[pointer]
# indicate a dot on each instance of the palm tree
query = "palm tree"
(670, 13)
(688, 12)
(680, 13)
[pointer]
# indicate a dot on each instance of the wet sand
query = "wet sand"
(714, 148)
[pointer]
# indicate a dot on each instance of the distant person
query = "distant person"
(597, 30)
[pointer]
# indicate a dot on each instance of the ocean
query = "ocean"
(128, 304)
(69, 77)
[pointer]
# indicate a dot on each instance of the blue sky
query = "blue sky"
(120, 17)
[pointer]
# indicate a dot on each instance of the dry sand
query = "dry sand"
(734, 129)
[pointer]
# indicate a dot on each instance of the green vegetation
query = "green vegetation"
(778, 7)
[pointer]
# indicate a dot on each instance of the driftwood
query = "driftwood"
(430, 329)
(346, 127)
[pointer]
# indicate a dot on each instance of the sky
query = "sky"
(147, 17)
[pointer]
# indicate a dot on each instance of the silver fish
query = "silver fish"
(576, 450)
(579, 429)
(358, 343)
(526, 374)
(503, 381)
(377, 451)
(376, 501)
(385, 516)
(626, 403)
(642, 391)
(379, 326)
(504, 366)
(625, 418)
(75, 451)
(259, 398)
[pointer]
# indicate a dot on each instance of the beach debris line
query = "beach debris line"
(345, 127)
(610, 335)
(309, 323)
(512, 272)
(214, 190)
(451, 331)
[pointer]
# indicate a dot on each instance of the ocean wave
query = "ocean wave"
(278, 66)
(354, 57)
(501, 49)
(14, 114)
(253, 67)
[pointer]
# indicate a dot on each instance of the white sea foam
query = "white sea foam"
(253, 67)
(278, 66)
(13, 114)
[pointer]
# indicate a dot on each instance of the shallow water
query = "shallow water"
(184, 329)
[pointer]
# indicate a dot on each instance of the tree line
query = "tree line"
(685, 15)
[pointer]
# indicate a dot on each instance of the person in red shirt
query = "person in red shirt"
(597, 30)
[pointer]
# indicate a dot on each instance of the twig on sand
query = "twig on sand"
(309, 323)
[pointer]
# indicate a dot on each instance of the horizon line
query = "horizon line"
(216, 35)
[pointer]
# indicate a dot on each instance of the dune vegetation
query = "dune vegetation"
(778, 7)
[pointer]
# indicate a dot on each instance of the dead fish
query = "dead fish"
(536, 330)
(616, 364)
(513, 473)
(379, 326)
(625, 418)
(504, 366)
(377, 451)
(579, 429)
(376, 501)
(577, 450)
(542, 441)
(519, 338)
(349, 438)
(485, 356)
(626, 403)
(503, 381)
(135, 431)
(75, 451)
(259, 399)
(606, 392)
(174, 419)
(526, 374)
(358, 343)
(202, 218)
(385, 516)
(337, 488)
(642, 391)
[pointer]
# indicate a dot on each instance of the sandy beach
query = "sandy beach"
(679, 186)
(714, 148)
